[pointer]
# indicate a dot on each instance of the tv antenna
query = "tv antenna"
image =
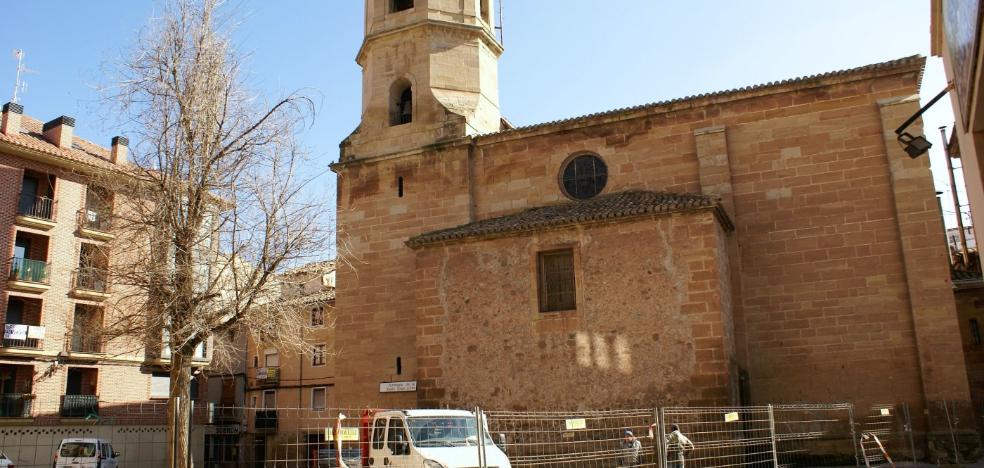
(20, 86)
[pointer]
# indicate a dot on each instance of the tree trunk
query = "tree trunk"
(179, 412)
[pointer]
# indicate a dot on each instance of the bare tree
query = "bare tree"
(213, 208)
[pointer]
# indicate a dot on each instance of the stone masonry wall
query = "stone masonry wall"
(649, 325)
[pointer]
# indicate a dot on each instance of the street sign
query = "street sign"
(395, 387)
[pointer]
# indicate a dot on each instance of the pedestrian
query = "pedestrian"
(677, 445)
(630, 450)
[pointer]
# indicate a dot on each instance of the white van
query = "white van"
(430, 439)
(86, 453)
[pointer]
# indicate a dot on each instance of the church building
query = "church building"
(766, 244)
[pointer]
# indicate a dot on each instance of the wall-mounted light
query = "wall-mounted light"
(916, 146)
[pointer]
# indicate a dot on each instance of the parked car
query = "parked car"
(5, 461)
(86, 453)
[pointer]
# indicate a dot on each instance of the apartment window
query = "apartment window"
(319, 398)
(269, 399)
(975, 332)
(556, 280)
(318, 317)
(271, 359)
(400, 5)
(318, 356)
(160, 385)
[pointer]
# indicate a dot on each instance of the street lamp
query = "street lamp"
(915, 146)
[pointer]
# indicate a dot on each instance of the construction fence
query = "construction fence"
(799, 435)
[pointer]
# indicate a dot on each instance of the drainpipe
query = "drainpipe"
(956, 199)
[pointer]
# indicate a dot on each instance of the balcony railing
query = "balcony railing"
(29, 271)
(15, 405)
(94, 219)
(17, 335)
(266, 376)
(79, 406)
(90, 279)
(265, 419)
(36, 207)
(85, 343)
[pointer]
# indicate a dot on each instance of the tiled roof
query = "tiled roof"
(320, 297)
(599, 209)
(902, 63)
(83, 151)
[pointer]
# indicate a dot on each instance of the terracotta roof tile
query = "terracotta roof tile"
(82, 151)
(904, 63)
(599, 209)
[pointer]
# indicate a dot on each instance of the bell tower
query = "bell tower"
(429, 74)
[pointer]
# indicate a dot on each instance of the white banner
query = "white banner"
(261, 373)
(14, 332)
(35, 333)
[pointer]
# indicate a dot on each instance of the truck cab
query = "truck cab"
(428, 439)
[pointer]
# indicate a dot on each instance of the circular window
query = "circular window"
(584, 176)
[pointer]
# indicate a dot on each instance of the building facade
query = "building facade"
(957, 39)
(289, 393)
(56, 231)
(761, 245)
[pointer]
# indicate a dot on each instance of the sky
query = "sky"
(563, 58)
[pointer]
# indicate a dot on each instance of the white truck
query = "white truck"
(421, 438)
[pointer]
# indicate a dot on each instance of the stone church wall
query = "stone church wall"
(649, 327)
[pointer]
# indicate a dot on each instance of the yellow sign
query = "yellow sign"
(886, 412)
(348, 434)
(731, 417)
(572, 424)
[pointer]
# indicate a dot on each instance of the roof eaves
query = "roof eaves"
(902, 64)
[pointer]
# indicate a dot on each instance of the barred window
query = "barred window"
(318, 355)
(318, 316)
(556, 280)
(584, 177)
(975, 332)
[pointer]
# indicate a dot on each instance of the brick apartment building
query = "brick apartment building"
(288, 393)
(765, 244)
(56, 234)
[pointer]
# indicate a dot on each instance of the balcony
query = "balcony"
(267, 376)
(17, 336)
(90, 283)
(79, 406)
(95, 224)
(35, 211)
(265, 420)
(16, 405)
(81, 345)
(28, 275)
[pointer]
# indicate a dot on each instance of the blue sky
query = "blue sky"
(563, 57)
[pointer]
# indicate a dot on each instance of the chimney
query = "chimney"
(59, 131)
(12, 112)
(118, 153)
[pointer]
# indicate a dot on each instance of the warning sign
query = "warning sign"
(573, 424)
(347, 433)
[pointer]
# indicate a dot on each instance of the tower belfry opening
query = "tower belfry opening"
(400, 5)
(402, 103)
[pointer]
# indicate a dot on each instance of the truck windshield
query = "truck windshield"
(78, 449)
(444, 431)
